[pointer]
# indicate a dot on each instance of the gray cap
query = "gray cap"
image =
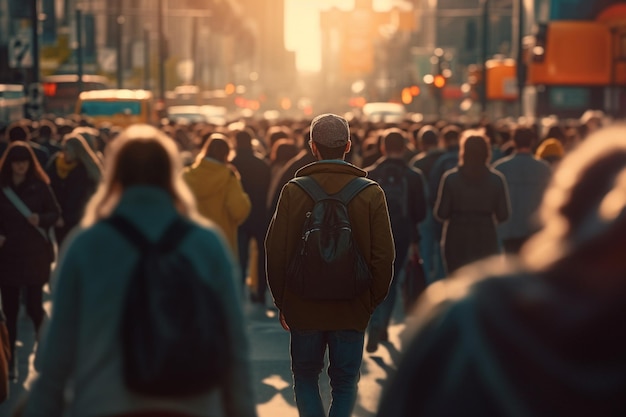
(330, 130)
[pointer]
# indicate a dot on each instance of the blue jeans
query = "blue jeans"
(345, 353)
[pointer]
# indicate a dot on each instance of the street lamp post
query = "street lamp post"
(146, 58)
(484, 55)
(118, 39)
(35, 40)
(161, 51)
(79, 48)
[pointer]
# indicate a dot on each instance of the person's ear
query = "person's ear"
(348, 146)
(313, 147)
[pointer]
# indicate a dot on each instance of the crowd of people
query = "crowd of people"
(486, 338)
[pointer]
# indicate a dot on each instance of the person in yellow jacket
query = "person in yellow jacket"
(217, 188)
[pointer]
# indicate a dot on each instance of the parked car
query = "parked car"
(384, 112)
(198, 114)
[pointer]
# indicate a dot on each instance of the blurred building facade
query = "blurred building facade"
(380, 54)
(208, 43)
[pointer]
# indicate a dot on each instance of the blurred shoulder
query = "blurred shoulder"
(466, 292)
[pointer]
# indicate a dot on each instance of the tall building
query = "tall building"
(275, 65)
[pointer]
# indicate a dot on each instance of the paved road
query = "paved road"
(270, 360)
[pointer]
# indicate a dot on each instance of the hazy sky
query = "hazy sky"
(302, 28)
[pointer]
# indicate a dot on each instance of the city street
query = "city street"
(270, 361)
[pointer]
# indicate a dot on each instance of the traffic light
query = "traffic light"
(439, 81)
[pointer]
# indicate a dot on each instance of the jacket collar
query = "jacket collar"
(335, 166)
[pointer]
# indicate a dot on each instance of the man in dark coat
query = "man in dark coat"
(406, 202)
(255, 180)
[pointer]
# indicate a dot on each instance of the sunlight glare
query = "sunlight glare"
(302, 28)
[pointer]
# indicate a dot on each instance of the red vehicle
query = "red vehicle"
(62, 91)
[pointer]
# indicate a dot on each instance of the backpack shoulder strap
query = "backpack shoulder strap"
(351, 189)
(174, 234)
(396, 170)
(312, 188)
(169, 240)
(127, 229)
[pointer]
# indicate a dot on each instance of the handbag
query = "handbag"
(414, 281)
(5, 357)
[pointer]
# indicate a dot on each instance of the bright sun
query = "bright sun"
(302, 28)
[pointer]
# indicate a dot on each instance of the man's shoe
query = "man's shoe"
(372, 344)
(384, 336)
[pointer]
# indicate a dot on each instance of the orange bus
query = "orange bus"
(575, 58)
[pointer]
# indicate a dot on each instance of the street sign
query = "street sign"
(20, 52)
(107, 58)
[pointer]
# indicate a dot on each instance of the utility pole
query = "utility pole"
(519, 56)
(79, 48)
(484, 55)
(118, 41)
(194, 49)
(146, 58)
(35, 96)
(35, 41)
(161, 52)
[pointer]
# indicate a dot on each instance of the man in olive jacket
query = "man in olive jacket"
(338, 325)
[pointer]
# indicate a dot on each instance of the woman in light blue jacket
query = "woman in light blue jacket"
(81, 350)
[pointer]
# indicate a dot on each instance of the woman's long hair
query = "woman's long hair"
(140, 155)
(78, 146)
(20, 151)
(474, 154)
(216, 146)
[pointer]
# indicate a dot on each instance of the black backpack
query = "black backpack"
(174, 331)
(392, 179)
(328, 264)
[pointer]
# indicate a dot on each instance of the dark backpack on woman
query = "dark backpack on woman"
(174, 330)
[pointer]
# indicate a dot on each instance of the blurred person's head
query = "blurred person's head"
(275, 133)
(591, 120)
(20, 159)
(583, 212)
(217, 147)
(557, 132)
(550, 150)
(524, 138)
(46, 131)
(90, 135)
(17, 131)
(451, 135)
(243, 139)
(282, 151)
(394, 142)
(330, 136)
(75, 148)
(140, 156)
(428, 137)
(474, 149)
